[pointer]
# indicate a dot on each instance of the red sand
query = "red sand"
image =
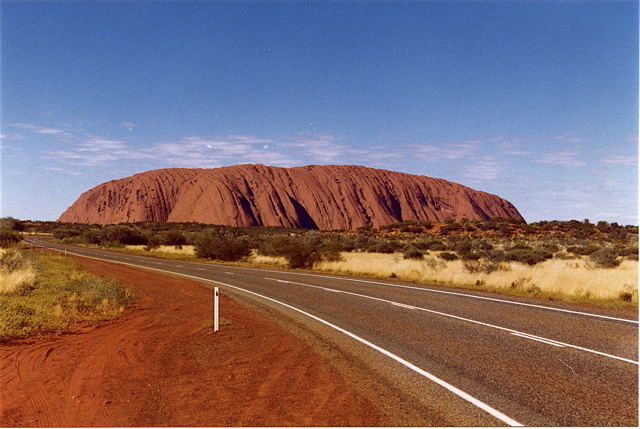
(159, 365)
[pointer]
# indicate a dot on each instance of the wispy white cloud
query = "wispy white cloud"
(568, 137)
(42, 130)
(322, 148)
(97, 151)
(516, 152)
(565, 158)
(568, 193)
(620, 159)
(485, 170)
(218, 150)
(62, 170)
(195, 151)
(443, 151)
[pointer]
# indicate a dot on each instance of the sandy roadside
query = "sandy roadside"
(160, 365)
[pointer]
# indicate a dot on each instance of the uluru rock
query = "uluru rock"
(326, 197)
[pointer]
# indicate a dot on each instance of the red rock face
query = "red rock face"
(325, 197)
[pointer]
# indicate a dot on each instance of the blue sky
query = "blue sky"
(534, 101)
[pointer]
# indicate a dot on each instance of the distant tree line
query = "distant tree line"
(497, 240)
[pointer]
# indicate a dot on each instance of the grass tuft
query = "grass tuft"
(54, 296)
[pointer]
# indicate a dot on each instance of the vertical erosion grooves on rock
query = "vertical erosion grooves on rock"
(325, 197)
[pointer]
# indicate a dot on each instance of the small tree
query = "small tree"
(9, 238)
(301, 254)
(221, 245)
(174, 238)
(605, 258)
(153, 242)
(11, 223)
(412, 252)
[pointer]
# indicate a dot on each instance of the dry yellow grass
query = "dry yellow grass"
(257, 259)
(12, 281)
(573, 278)
(16, 273)
(185, 250)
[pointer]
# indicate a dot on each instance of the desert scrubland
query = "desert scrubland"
(42, 293)
(576, 261)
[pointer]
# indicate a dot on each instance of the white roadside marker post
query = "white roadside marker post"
(216, 311)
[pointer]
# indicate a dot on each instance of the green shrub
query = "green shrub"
(605, 258)
(519, 246)
(9, 238)
(528, 256)
(481, 245)
(11, 224)
(123, 234)
(469, 255)
(583, 250)
(448, 256)
(622, 250)
(173, 238)
(461, 246)
(92, 237)
(551, 247)
(412, 252)
(221, 245)
(429, 244)
(301, 254)
(382, 246)
(496, 255)
(63, 233)
(153, 242)
(485, 266)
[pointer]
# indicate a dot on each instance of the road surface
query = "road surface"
(463, 358)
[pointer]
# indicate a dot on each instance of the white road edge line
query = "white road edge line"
(476, 402)
(477, 322)
(466, 295)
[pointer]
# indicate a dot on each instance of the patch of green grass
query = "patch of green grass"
(61, 297)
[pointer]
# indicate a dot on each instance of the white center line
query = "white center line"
(534, 338)
(426, 289)
(477, 322)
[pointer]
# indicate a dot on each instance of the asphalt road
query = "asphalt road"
(461, 358)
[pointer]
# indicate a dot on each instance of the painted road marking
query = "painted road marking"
(535, 338)
(513, 331)
(466, 295)
(458, 392)
(410, 307)
(477, 322)
(277, 280)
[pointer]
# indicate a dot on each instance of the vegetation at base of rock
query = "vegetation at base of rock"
(53, 295)
(490, 248)
(221, 245)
